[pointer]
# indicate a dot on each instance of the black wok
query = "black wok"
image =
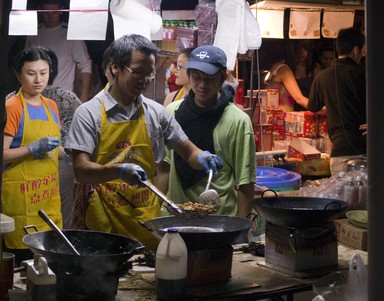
(299, 212)
(212, 231)
(95, 273)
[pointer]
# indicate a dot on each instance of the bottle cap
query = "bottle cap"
(172, 230)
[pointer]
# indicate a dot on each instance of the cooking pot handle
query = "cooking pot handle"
(333, 202)
(271, 190)
(28, 227)
(144, 226)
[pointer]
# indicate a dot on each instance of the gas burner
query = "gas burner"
(147, 260)
(255, 248)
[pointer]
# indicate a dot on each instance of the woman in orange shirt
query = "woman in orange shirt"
(30, 156)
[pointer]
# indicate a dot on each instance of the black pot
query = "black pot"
(210, 232)
(95, 273)
(299, 212)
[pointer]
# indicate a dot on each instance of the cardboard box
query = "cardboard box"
(303, 123)
(269, 98)
(298, 251)
(351, 235)
(302, 150)
(263, 137)
(209, 266)
(322, 125)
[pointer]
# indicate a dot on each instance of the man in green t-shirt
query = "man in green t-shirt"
(212, 122)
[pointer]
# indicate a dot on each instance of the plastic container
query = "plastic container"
(17, 295)
(171, 267)
(41, 281)
(277, 179)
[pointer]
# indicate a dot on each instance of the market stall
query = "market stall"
(303, 155)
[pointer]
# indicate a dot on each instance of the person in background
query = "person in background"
(231, 80)
(181, 78)
(303, 68)
(52, 33)
(118, 138)
(341, 89)
(31, 149)
(281, 63)
(171, 79)
(324, 58)
(67, 103)
(212, 121)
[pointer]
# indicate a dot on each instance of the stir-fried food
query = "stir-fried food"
(190, 206)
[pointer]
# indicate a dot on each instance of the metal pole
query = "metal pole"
(5, 9)
(251, 81)
(374, 16)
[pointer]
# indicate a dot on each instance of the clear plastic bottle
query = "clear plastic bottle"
(172, 30)
(349, 188)
(337, 186)
(361, 193)
(166, 30)
(171, 267)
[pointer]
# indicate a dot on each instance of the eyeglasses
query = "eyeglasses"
(178, 68)
(138, 75)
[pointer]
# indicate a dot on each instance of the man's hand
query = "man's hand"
(133, 174)
(364, 128)
(210, 161)
(40, 147)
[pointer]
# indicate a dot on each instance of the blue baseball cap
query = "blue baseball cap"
(208, 59)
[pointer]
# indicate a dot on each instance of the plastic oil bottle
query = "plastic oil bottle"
(171, 267)
(41, 281)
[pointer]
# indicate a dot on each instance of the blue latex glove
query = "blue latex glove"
(133, 174)
(210, 161)
(40, 147)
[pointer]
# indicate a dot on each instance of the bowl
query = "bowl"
(358, 218)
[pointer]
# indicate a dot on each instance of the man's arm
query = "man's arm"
(315, 103)
(85, 86)
(161, 179)
(245, 195)
(93, 173)
(189, 151)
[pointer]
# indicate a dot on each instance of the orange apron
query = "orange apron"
(32, 184)
(116, 206)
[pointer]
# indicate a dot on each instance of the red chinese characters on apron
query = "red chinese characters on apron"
(32, 184)
(116, 206)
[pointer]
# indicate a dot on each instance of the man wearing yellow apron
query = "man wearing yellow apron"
(117, 139)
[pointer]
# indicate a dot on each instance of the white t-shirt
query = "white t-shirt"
(70, 53)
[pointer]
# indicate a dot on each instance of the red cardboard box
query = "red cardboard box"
(302, 150)
(263, 137)
(322, 125)
(276, 117)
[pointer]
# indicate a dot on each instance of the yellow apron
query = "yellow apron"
(116, 206)
(32, 184)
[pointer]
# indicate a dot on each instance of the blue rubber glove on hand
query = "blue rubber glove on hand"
(133, 174)
(42, 146)
(210, 161)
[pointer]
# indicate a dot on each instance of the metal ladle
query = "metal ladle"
(56, 229)
(163, 197)
(172, 208)
(209, 196)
